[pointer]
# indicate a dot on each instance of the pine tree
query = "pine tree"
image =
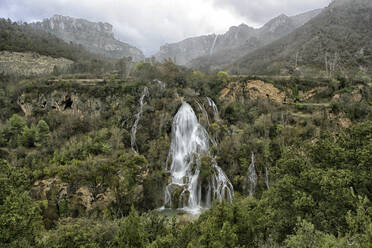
(43, 132)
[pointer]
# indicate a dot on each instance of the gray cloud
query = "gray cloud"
(148, 24)
(260, 11)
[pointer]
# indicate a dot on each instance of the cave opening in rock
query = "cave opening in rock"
(68, 103)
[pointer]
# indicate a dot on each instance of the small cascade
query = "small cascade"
(138, 118)
(190, 143)
(162, 85)
(252, 176)
(213, 44)
(204, 111)
(267, 172)
(213, 105)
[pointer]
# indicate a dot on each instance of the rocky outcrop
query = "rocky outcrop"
(69, 102)
(95, 37)
(64, 200)
(225, 48)
(30, 64)
(252, 90)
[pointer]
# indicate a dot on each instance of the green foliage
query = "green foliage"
(23, 38)
(131, 232)
(80, 233)
(16, 125)
(307, 237)
(20, 219)
(42, 132)
(28, 136)
(88, 178)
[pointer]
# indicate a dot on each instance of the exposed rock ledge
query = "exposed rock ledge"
(253, 90)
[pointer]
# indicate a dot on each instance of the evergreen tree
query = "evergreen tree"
(43, 132)
(132, 233)
(16, 125)
(28, 136)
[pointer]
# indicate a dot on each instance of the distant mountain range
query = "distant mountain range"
(326, 42)
(332, 41)
(337, 41)
(218, 50)
(97, 38)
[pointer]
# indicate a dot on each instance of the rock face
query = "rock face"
(252, 90)
(30, 64)
(238, 41)
(68, 102)
(63, 199)
(185, 51)
(95, 37)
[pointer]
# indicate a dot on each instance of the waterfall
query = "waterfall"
(252, 176)
(215, 109)
(162, 85)
(267, 171)
(190, 143)
(205, 113)
(138, 118)
(213, 44)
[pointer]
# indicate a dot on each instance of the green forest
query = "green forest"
(70, 178)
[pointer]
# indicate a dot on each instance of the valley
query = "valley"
(259, 137)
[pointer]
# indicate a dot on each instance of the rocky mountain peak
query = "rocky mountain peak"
(277, 22)
(96, 37)
(70, 24)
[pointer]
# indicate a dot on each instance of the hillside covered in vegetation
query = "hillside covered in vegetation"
(98, 152)
(335, 42)
(71, 175)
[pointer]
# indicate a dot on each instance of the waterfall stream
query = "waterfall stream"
(215, 109)
(191, 189)
(204, 111)
(213, 44)
(267, 172)
(252, 176)
(138, 118)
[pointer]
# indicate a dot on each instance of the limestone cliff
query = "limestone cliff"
(222, 49)
(95, 37)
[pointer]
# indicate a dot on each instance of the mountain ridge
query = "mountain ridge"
(337, 41)
(185, 51)
(96, 37)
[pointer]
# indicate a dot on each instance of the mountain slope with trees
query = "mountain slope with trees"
(336, 42)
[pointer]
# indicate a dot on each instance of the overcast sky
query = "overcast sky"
(148, 24)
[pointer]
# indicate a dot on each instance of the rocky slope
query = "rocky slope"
(220, 49)
(336, 42)
(95, 37)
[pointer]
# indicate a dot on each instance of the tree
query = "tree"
(28, 136)
(131, 233)
(20, 221)
(43, 132)
(307, 237)
(16, 125)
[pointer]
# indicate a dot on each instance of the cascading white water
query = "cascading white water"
(252, 176)
(215, 109)
(267, 172)
(205, 113)
(138, 118)
(187, 190)
(213, 44)
(162, 85)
